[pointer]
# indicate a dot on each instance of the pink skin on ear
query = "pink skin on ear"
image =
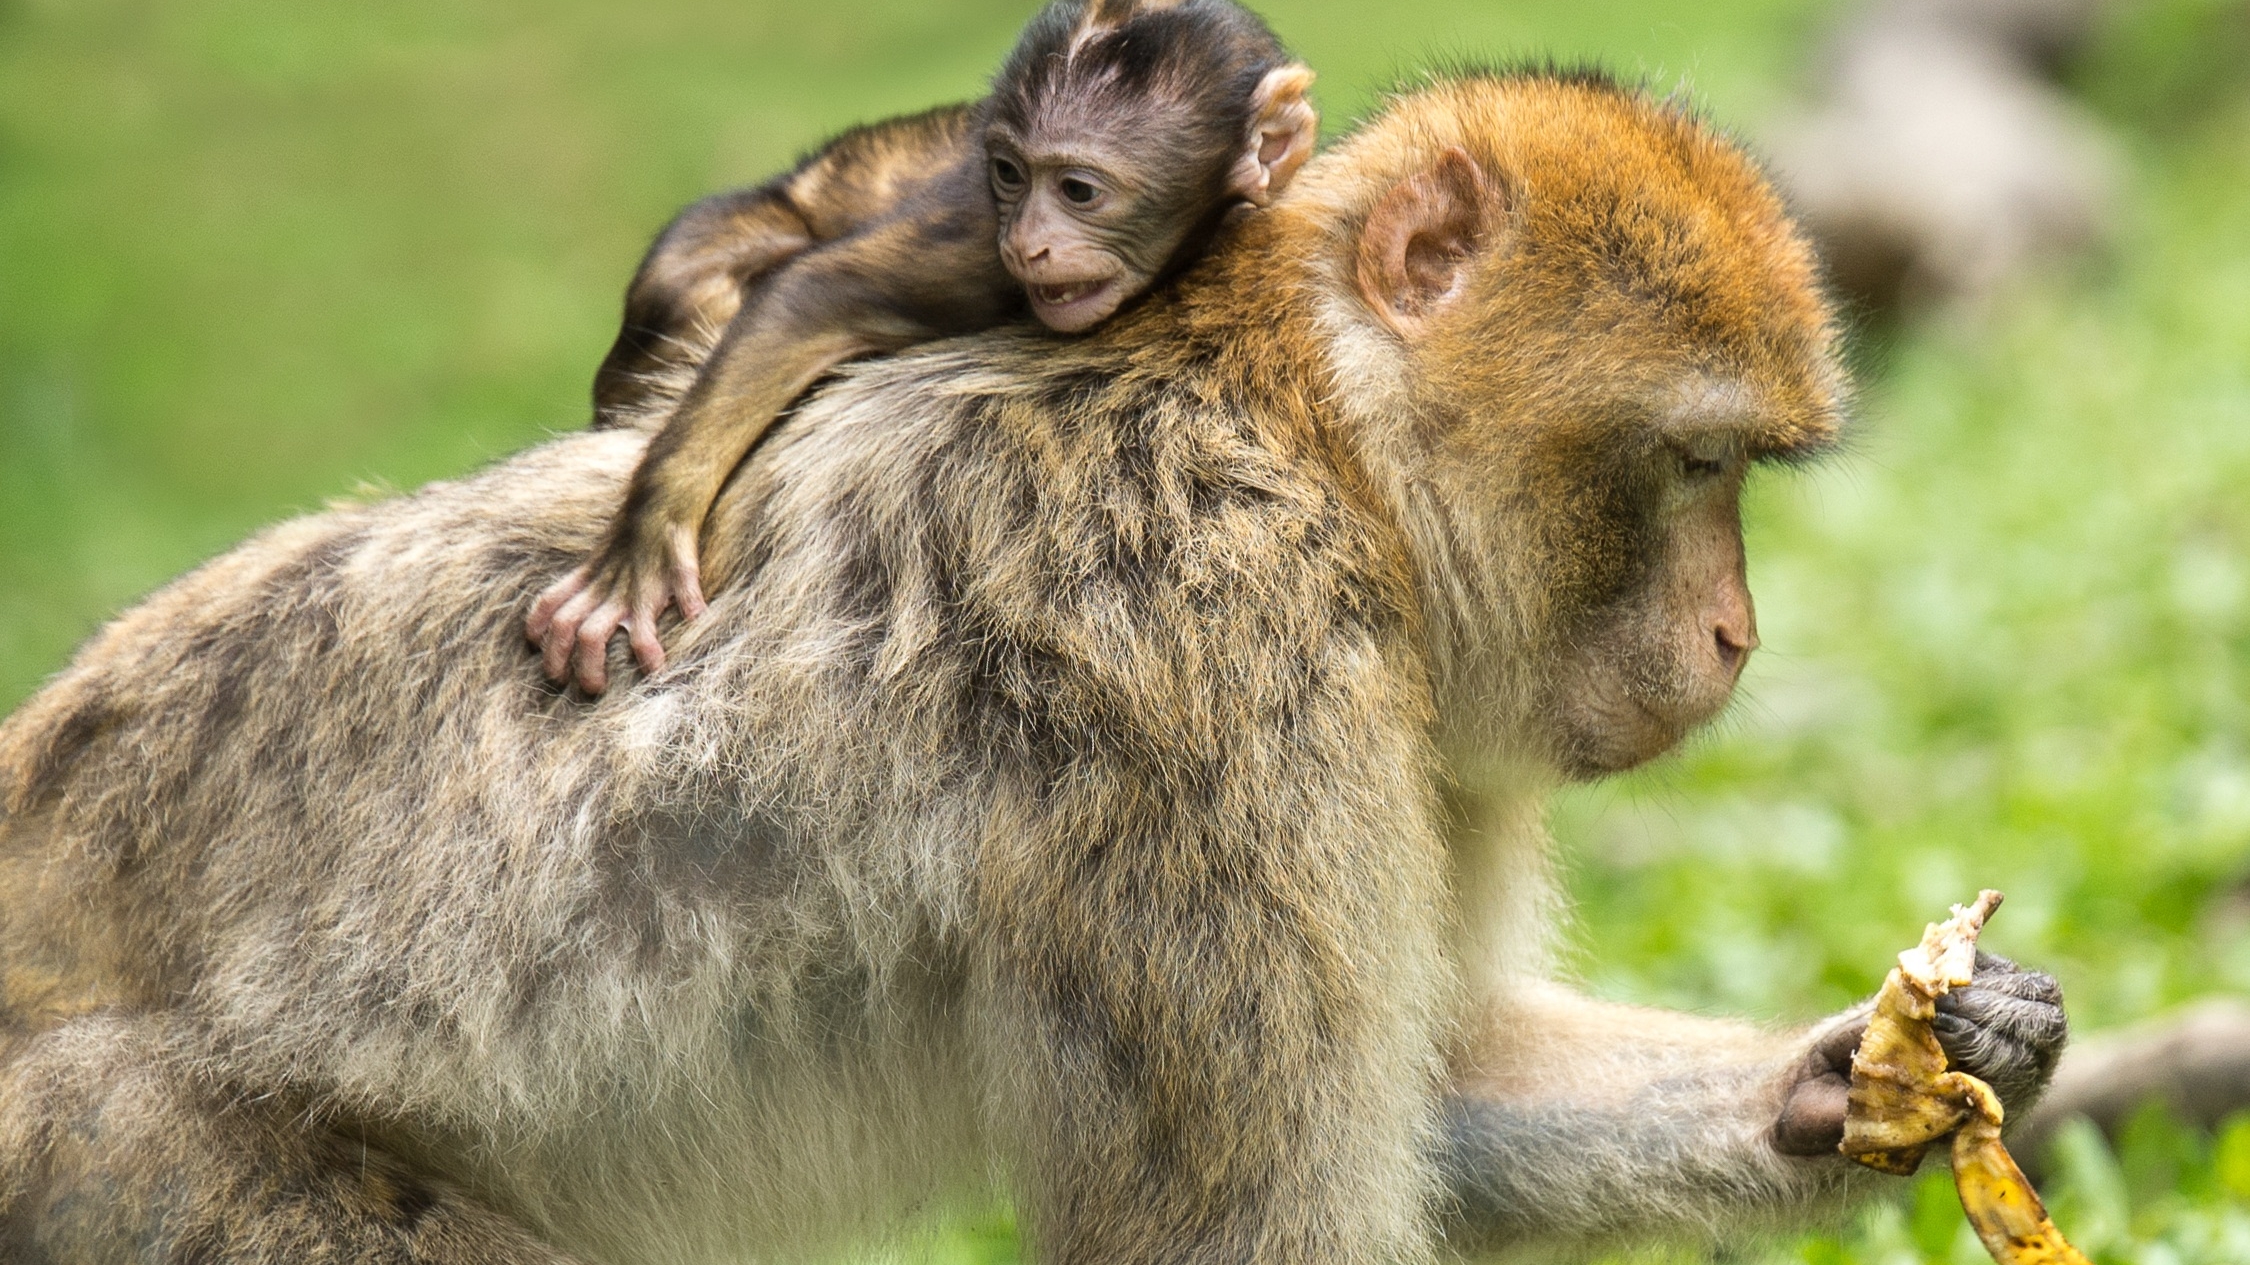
(1414, 252)
(1282, 137)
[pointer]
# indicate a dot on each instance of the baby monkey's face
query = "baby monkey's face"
(1080, 229)
(1094, 205)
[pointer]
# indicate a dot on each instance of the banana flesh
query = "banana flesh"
(1904, 1100)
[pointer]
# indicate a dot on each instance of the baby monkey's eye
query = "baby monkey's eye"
(1006, 176)
(1700, 467)
(1079, 192)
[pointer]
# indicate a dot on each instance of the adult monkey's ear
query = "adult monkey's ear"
(1283, 129)
(1419, 242)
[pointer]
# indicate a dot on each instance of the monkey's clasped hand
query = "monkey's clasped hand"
(628, 584)
(1905, 1096)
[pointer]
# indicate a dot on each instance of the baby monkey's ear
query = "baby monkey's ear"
(1282, 132)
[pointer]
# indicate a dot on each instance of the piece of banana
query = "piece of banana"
(1903, 1099)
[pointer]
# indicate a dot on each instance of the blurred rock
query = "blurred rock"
(1939, 160)
(2039, 34)
(2196, 1061)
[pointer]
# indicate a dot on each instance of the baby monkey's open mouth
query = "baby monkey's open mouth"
(1068, 292)
(1071, 306)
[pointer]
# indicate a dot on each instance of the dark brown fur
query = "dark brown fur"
(1111, 766)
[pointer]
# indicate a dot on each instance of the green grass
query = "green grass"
(255, 254)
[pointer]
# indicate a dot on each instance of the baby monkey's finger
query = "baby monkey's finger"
(561, 640)
(592, 656)
(640, 633)
(640, 629)
(542, 616)
(687, 575)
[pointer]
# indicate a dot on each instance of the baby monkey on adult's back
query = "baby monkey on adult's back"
(1117, 135)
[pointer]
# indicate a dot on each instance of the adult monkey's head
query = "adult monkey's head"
(1571, 319)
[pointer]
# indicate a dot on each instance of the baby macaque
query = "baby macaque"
(1117, 136)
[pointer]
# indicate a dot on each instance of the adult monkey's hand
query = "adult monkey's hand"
(2006, 1027)
(1904, 1096)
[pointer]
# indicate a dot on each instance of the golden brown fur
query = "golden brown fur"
(1066, 788)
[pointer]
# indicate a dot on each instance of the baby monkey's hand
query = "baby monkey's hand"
(636, 572)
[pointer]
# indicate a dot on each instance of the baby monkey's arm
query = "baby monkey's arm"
(723, 265)
(928, 272)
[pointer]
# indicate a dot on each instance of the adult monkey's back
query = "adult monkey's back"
(1055, 790)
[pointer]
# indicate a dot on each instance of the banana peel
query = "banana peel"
(1904, 1099)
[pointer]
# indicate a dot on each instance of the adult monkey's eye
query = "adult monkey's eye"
(1078, 191)
(1006, 176)
(1695, 467)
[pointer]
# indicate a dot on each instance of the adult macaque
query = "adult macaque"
(1064, 785)
(1116, 136)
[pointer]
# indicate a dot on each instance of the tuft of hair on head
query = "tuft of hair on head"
(1594, 206)
(1101, 56)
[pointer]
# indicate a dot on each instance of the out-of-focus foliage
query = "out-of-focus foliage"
(2164, 1195)
(254, 253)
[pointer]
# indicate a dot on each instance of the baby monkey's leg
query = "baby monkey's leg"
(705, 263)
(687, 292)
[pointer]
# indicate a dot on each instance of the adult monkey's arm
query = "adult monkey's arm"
(1571, 1120)
(1577, 1120)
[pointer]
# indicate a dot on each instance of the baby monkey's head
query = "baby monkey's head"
(1120, 130)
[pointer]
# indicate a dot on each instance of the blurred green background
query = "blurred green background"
(259, 253)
